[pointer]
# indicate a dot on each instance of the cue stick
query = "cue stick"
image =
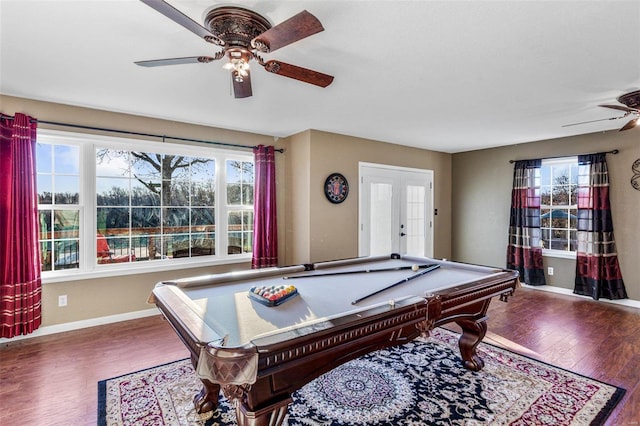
(360, 271)
(402, 281)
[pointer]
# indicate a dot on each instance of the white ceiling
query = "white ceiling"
(450, 76)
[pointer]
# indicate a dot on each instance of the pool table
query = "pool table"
(258, 355)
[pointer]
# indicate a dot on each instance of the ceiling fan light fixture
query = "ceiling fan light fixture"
(238, 67)
(238, 63)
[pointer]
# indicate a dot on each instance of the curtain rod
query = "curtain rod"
(613, 151)
(126, 132)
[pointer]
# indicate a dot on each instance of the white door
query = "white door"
(395, 210)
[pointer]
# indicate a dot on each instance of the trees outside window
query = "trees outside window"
(106, 201)
(240, 185)
(59, 207)
(155, 206)
(558, 204)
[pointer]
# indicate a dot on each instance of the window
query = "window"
(107, 203)
(59, 208)
(558, 205)
(240, 176)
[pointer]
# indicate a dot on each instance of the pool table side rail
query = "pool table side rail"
(499, 282)
(354, 261)
(442, 307)
(185, 318)
(453, 264)
(456, 302)
(235, 276)
(285, 365)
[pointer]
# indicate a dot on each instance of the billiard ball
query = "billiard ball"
(414, 268)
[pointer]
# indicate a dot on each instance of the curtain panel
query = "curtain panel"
(21, 286)
(597, 270)
(524, 252)
(265, 232)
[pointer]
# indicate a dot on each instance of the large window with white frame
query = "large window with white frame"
(558, 205)
(107, 203)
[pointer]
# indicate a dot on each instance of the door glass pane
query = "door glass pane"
(415, 226)
(381, 218)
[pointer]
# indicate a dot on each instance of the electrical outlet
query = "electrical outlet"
(62, 300)
(549, 270)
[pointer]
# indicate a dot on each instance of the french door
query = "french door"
(396, 214)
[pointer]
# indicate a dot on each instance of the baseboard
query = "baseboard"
(568, 292)
(76, 325)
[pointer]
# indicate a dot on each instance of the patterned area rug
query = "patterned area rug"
(420, 383)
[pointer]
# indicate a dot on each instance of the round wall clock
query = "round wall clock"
(336, 188)
(635, 179)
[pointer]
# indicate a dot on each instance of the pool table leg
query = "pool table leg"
(272, 415)
(207, 399)
(473, 332)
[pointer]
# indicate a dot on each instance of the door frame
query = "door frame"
(429, 213)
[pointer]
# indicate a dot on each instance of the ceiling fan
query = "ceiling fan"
(632, 108)
(243, 35)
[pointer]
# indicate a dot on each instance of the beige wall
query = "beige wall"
(332, 229)
(101, 297)
(297, 200)
(482, 194)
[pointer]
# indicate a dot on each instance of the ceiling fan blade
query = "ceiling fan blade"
(619, 107)
(298, 73)
(630, 125)
(175, 15)
(242, 89)
(176, 61)
(293, 29)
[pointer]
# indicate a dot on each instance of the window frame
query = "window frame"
(55, 138)
(569, 161)
(87, 144)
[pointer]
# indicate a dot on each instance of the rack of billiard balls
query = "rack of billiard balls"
(272, 295)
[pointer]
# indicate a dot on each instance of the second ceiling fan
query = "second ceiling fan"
(632, 108)
(243, 35)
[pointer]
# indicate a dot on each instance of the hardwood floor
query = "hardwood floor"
(52, 380)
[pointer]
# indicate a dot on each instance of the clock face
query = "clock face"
(336, 188)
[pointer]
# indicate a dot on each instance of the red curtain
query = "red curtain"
(524, 253)
(597, 270)
(265, 232)
(20, 290)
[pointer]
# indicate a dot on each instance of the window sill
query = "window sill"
(559, 254)
(122, 269)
